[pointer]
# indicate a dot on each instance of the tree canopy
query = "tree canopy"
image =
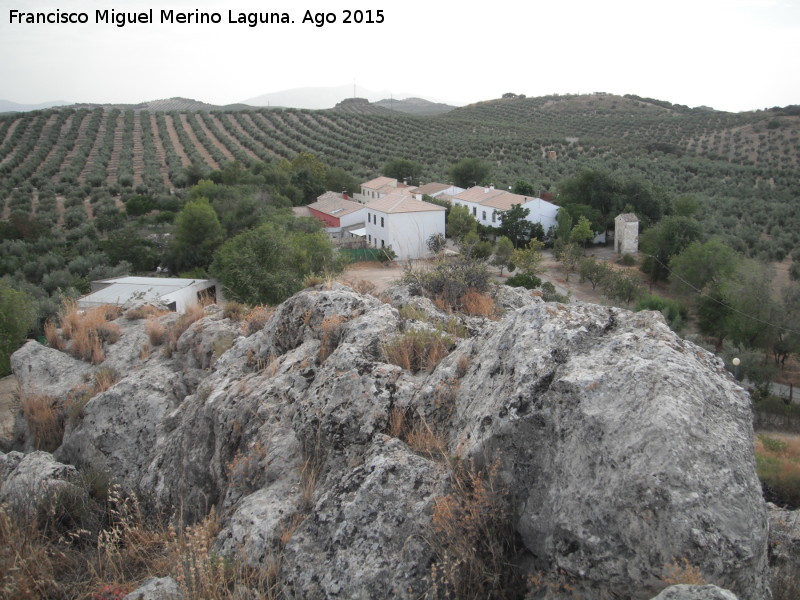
(402, 169)
(469, 172)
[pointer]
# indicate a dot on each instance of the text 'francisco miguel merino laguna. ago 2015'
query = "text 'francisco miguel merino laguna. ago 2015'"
(196, 17)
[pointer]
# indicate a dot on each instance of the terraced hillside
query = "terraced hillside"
(730, 159)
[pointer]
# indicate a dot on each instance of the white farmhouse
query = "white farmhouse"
(486, 204)
(437, 190)
(380, 187)
(405, 224)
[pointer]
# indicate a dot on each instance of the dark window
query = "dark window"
(494, 216)
(381, 221)
(382, 244)
(484, 215)
(474, 212)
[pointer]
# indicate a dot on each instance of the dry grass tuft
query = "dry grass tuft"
(682, 571)
(418, 349)
(331, 335)
(473, 536)
(51, 334)
(478, 304)
(234, 311)
(45, 421)
(146, 311)
(256, 319)
(421, 436)
(156, 331)
(88, 331)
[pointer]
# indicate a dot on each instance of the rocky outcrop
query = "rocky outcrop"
(29, 483)
(695, 592)
(619, 447)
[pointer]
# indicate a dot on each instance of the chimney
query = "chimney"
(344, 195)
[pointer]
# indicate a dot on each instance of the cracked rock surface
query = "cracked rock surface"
(621, 447)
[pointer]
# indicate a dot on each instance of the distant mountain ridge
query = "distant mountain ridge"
(410, 106)
(328, 97)
(7, 106)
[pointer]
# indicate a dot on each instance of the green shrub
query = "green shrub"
(529, 282)
(674, 312)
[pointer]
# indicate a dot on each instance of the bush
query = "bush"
(448, 281)
(778, 468)
(674, 312)
(549, 294)
(529, 282)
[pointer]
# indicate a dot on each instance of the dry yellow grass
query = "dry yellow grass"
(331, 333)
(682, 571)
(477, 304)
(418, 349)
(87, 331)
(45, 421)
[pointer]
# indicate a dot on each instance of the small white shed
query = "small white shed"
(626, 234)
(178, 294)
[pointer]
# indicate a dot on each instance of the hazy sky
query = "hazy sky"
(729, 54)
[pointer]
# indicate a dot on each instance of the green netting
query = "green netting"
(361, 254)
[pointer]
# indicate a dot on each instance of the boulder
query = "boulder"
(157, 588)
(29, 484)
(695, 592)
(620, 448)
(625, 446)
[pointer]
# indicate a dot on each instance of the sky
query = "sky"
(732, 55)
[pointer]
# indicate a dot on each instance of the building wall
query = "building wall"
(330, 221)
(541, 211)
(626, 236)
(354, 218)
(483, 214)
(406, 233)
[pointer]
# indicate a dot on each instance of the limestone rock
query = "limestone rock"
(28, 483)
(47, 371)
(378, 512)
(157, 588)
(625, 446)
(622, 447)
(695, 592)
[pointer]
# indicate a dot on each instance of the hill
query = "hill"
(741, 165)
(318, 98)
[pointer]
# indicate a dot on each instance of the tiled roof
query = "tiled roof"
(433, 188)
(491, 197)
(334, 205)
(401, 203)
(379, 182)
